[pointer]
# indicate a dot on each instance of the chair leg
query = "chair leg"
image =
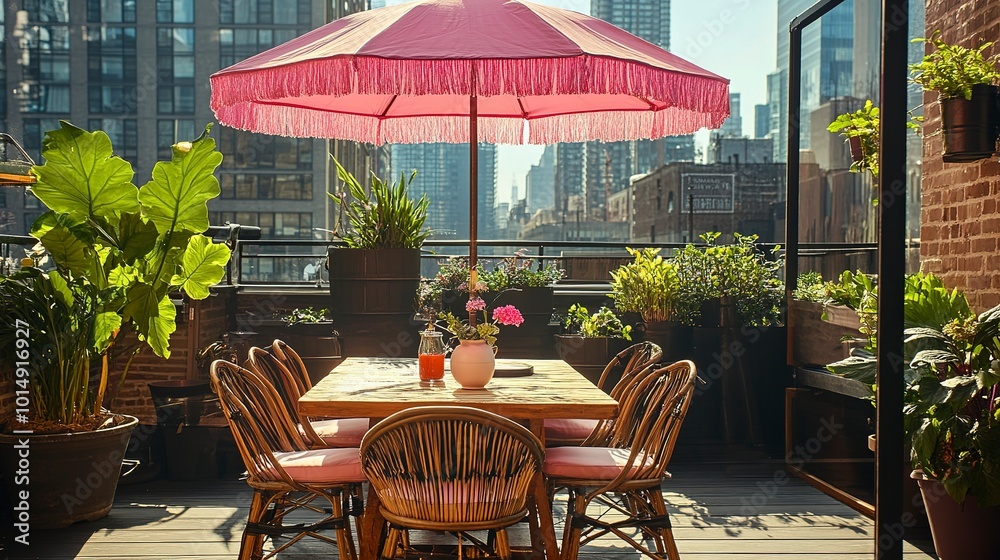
(251, 545)
(660, 507)
(345, 541)
(576, 504)
(502, 544)
(391, 541)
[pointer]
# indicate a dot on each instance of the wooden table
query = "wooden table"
(379, 387)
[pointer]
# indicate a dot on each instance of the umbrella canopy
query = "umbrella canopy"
(406, 73)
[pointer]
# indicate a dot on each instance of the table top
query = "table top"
(379, 387)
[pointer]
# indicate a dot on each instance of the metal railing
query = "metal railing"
(268, 262)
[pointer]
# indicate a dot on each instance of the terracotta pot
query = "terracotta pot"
(961, 531)
(857, 153)
(73, 477)
(472, 364)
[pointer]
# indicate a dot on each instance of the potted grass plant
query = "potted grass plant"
(966, 82)
(374, 275)
(120, 253)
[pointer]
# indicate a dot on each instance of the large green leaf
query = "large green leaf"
(62, 289)
(177, 196)
(82, 177)
(153, 315)
(105, 326)
(202, 266)
(63, 242)
(136, 237)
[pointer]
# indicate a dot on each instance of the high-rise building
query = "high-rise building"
(613, 164)
(649, 19)
(732, 127)
(761, 120)
(540, 184)
(827, 67)
(571, 173)
(443, 175)
(138, 70)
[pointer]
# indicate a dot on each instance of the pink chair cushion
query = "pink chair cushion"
(341, 432)
(572, 429)
(586, 463)
(322, 465)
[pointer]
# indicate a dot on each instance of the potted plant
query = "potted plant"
(732, 294)
(965, 80)
(373, 277)
(649, 286)
(822, 317)
(311, 334)
(473, 361)
(518, 280)
(592, 340)
(952, 422)
(120, 253)
(861, 128)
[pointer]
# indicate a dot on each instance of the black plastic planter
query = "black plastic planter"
(971, 126)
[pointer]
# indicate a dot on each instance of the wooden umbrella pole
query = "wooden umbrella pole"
(473, 187)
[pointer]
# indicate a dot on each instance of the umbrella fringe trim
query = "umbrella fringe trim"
(522, 77)
(604, 126)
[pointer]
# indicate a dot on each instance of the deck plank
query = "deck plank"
(715, 515)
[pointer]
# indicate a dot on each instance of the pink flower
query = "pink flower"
(508, 315)
(475, 304)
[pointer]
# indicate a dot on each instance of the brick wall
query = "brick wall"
(960, 219)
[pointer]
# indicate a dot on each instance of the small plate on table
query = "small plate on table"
(512, 368)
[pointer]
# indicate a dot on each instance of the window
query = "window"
(294, 225)
(169, 132)
(175, 54)
(279, 12)
(30, 201)
(245, 150)
(239, 44)
(45, 69)
(34, 130)
(123, 135)
(43, 98)
(47, 10)
(175, 99)
(175, 11)
(247, 186)
(111, 11)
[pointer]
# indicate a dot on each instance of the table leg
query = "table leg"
(372, 524)
(544, 529)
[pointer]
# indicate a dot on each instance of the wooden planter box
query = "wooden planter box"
(590, 356)
(818, 342)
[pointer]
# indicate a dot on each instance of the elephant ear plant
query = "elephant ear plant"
(120, 252)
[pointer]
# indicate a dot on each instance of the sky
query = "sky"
(733, 38)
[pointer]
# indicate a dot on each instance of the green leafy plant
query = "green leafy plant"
(952, 70)
(864, 125)
(385, 217)
(740, 271)
(121, 251)
(649, 286)
(575, 316)
(810, 287)
(605, 323)
(951, 415)
(520, 272)
(307, 315)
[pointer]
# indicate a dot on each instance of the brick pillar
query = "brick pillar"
(959, 217)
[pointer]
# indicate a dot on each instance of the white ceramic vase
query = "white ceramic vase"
(472, 364)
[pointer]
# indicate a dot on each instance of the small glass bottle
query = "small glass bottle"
(430, 355)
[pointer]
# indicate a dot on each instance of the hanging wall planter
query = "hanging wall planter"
(970, 126)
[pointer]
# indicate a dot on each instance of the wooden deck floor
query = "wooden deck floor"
(719, 512)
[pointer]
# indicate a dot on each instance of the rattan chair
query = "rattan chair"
(286, 476)
(451, 469)
(337, 432)
(293, 363)
(626, 473)
(635, 359)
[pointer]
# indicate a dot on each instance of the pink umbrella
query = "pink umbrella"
(499, 71)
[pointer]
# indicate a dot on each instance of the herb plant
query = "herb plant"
(307, 315)
(952, 70)
(864, 125)
(384, 218)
